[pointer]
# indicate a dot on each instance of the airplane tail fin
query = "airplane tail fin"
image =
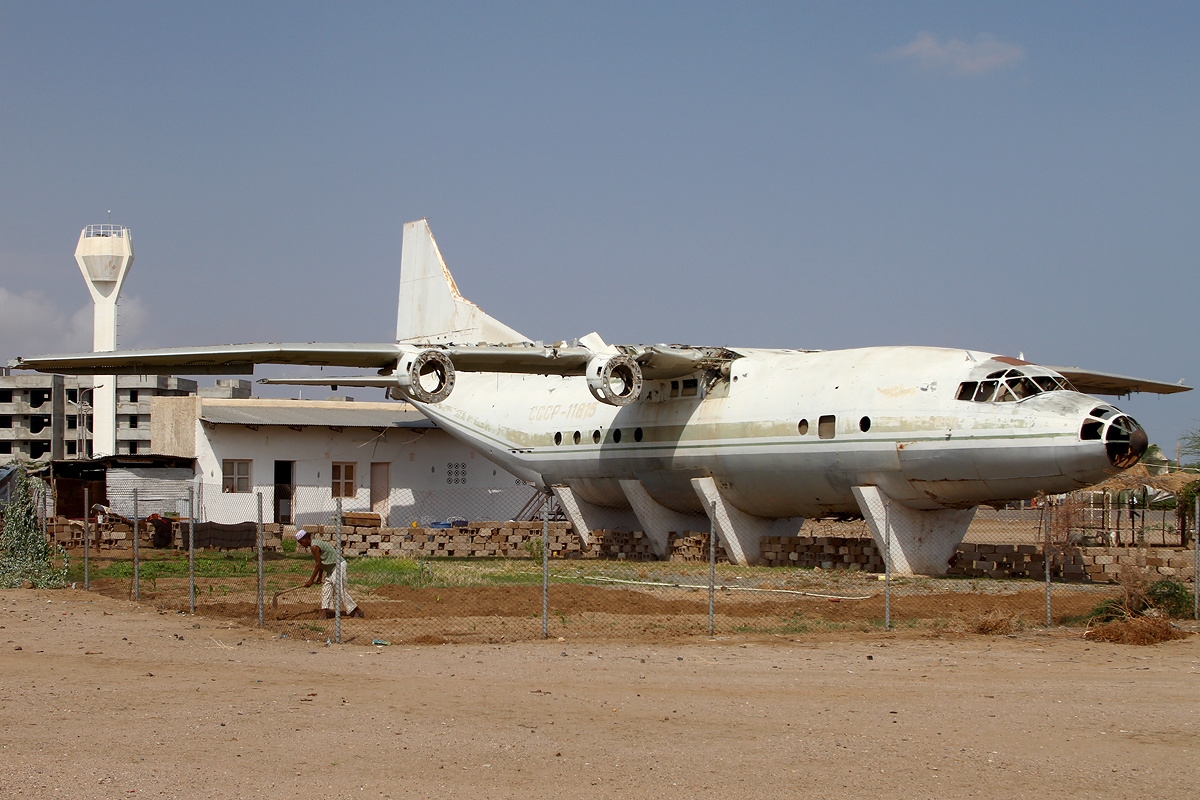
(431, 308)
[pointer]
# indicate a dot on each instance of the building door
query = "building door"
(380, 488)
(284, 490)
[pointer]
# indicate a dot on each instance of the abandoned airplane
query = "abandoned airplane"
(745, 442)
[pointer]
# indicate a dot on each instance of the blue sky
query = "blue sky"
(1008, 177)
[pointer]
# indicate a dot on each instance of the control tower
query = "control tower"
(104, 255)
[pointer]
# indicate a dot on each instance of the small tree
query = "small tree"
(1189, 445)
(25, 554)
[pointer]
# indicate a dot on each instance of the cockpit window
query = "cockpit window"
(1009, 386)
(985, 391)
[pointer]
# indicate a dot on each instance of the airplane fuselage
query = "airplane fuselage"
(788, 433)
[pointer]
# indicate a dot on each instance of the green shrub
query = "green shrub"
(26, 556)
(1171, 597)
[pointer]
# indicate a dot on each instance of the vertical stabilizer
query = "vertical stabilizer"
(431, 309)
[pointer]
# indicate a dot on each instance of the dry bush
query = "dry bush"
(999, 623)
(1135, 630)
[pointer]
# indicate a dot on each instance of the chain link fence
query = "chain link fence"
(462, 564)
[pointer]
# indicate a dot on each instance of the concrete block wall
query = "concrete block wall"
(523, 540)
(1093, 564)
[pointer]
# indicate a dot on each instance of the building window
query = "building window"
(133, 448)
(133, 420)
(5, 448)
(72, 423)
(133, 395)
(5, 420)
(5, 395)
(72, 395)
(38, 449)
(72, 449)
(235, 475)
(343, 480)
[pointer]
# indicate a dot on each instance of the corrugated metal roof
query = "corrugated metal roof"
(301, 413)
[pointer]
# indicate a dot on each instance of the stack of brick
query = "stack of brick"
(620, 545)
(694, 547)
(1106, 563)
(479, 540)
(823, 552)
(997, 561)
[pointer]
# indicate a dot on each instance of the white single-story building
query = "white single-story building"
(305, 456)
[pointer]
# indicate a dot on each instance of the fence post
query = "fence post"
(192, 549)
(1047, 511)
(546, 567)
(1196, 561)
(259, 547)
(339, 589)
(712, 566)
(87, 537)
(137, 587)
(887, 567)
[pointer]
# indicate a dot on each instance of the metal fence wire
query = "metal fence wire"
(453, 569)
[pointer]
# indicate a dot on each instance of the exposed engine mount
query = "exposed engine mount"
(425, 376)
(615, 380)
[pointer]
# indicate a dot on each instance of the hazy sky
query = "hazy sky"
(1009, 177)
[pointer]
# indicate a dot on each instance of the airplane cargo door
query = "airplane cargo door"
(380, 488)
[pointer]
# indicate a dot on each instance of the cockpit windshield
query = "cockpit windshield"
(1009, 386)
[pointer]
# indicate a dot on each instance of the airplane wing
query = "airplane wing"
(1105, 383)
(232, 359)
(656, 361)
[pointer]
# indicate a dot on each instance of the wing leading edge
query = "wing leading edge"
(657, 361)
(1105, 383)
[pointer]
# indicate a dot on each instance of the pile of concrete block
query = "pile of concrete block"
(692, 546)
(478, 540)
(820, 551)
(997, 561)
(1107, 563)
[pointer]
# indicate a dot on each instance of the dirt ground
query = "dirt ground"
(102, 698)
(503, 614)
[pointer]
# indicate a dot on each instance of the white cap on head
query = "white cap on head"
(300, 534)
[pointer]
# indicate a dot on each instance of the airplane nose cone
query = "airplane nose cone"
(1125, 442)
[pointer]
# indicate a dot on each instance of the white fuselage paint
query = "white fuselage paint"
(923, 447)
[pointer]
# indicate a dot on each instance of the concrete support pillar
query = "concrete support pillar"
(586, 517)
(739, 532)
(658, 521)
(921, 542)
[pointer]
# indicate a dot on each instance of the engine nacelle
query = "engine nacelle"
(615, 380)
(425, 376)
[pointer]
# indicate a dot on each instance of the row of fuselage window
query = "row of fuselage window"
(826, 429)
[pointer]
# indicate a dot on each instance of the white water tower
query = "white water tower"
(104, 255)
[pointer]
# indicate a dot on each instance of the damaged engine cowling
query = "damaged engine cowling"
(615, 380)
(424, 376)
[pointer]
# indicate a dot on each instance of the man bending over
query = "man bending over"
(329, 564)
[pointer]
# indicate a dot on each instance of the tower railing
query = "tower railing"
(116, 231)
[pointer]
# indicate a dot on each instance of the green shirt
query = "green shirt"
(329, 556)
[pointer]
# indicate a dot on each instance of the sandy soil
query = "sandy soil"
(103, 698)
